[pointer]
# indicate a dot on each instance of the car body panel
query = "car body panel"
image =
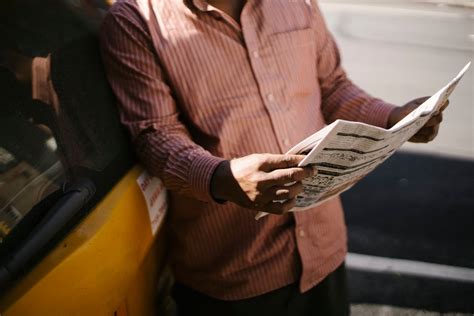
(110, 259)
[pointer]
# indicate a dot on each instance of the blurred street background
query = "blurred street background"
(411, 221)
(411, 236)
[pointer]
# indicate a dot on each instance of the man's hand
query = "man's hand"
(428, 132)
(257, 181)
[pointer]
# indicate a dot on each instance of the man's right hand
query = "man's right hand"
(260, 181)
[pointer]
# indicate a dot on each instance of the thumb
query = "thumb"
(273, 162)
(413, 104)
(420, 101)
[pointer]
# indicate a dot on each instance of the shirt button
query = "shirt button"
(301, 233)
(286, 142)
(270, 97)
(255, 54)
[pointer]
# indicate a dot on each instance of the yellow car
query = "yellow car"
(80, 222)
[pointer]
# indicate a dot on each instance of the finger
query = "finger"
(434, 133)
(427, 131)
(272, 162)
(435, 120)
(425, 135)
(276, 207)
(288, 175)
(420, 101)
(285, 192)
(418, 139)
(444, 106)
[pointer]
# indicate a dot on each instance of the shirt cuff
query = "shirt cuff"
(200, 176)
(379, 113)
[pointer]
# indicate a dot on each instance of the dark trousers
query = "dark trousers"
(328, 298)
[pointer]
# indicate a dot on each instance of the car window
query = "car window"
(29, 168)
(60, 124)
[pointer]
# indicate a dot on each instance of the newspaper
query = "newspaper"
(344, 152)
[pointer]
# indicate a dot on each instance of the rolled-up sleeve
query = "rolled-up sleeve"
(147, 108)
(342, 99)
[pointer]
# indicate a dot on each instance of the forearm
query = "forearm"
(340, 98)
(184, 166)
(147, 107)
(348, 102)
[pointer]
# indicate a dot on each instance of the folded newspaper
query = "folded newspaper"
(344, 152)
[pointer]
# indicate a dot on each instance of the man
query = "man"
(206, 90)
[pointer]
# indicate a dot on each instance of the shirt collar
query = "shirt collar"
(201, 5)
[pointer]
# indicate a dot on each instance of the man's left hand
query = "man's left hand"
(429, 131)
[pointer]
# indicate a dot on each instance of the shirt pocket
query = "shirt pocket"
(281, 16)
(295, 56)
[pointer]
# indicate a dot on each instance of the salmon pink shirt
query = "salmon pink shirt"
(195, 87)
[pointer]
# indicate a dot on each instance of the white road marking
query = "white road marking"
(387, 310)
(417, 268)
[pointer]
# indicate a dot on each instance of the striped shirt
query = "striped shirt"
(195, 87)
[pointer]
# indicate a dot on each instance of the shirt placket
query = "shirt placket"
(270, 83)
(217, 14)
(272, 87)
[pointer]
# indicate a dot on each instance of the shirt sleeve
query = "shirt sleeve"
(147, 108)
(342, 99)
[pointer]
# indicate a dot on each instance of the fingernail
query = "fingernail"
(315, 170)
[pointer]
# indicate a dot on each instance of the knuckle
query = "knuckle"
(258, 178)
(281, 178)
(286, 158)
(255, 178)
(300, 174)
(297, 172)
(259, 158)
(289, 160)
(291, 175)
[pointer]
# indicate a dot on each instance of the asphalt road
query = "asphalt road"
(416, 207)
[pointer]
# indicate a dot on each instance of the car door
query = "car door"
(79, 234)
